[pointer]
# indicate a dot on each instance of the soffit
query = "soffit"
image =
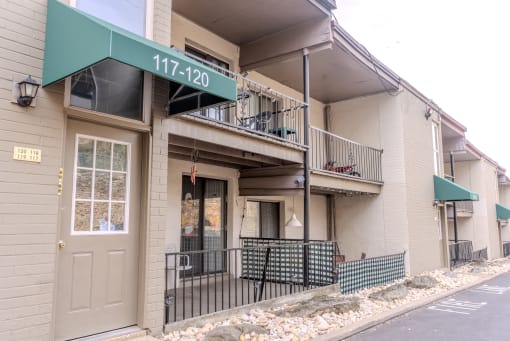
(335, 75)
(241, 22)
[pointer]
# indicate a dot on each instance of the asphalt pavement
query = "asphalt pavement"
(479, 313)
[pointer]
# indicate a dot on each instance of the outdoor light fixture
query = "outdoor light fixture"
(27, 91)
(293, 221)
(428, 112)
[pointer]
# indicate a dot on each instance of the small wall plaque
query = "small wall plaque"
(27, 154)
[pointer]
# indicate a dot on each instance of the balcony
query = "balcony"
(352, 166)
(259, 109)
(269, 123)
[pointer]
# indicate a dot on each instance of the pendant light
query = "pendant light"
(293, 221)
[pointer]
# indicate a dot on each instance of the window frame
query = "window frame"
(142, 124)
(436, 152)
(259, 231)
(73, 232)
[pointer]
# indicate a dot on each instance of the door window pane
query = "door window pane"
(83, 184)
(100, 197)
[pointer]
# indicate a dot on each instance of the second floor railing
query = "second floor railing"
(258, 109)
(334, 154)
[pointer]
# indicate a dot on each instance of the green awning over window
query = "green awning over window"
(76, 41)
(446, 190)
(502, 212)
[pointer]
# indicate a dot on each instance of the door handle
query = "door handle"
(61, 244)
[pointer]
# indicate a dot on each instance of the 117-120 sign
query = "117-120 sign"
(174, 68)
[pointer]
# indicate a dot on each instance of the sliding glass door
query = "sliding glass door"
(203, 224)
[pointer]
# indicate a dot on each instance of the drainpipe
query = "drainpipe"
(452, 171)
(306, 135)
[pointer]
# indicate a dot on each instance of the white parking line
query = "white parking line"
(491, 289)
(457, 307)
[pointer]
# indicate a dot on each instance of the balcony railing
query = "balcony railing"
(258, 109)
(461, 252)
(261, 269)
(506, 249)
(334, 154)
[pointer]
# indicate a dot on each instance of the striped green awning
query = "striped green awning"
(446, 190)
(502, 212)
(76, 41)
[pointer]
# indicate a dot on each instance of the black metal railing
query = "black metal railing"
(258, 109)
(481, 254)
(240, 276)
(506, 249)
(369, 272)
(460, 252)
(334, 154)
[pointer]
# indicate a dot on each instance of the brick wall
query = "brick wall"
(28, 191)
(155, 241)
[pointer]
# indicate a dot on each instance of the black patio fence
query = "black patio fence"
(229, 278)
(506, 249)
(460, 252)
(480, 254)
(365, 273)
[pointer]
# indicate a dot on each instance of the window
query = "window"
(111, 87)
(435, 148)
(130, 15)
(261, 220)
(219, 113)
(101, 186)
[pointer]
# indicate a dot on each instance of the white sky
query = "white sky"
(456, 52)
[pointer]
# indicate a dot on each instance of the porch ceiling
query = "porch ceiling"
(224, 146)
(335, 75)
(245, 21)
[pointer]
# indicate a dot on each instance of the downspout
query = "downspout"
(330, 198)
(306, 135)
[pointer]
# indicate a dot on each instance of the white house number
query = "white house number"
(170, 66)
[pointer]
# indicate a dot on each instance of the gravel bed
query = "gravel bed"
(307, 328)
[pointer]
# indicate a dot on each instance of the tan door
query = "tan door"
(98, 251)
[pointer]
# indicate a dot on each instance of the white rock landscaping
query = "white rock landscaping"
(287, 324)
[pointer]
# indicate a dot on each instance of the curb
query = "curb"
(361, 326)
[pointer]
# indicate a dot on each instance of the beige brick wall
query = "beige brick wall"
(28, 191)
(402, 217)
(153, 309)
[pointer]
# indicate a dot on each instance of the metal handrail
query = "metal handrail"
(344, 139)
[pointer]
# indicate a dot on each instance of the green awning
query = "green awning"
(76, 41)
(502, 212)
(446, 190)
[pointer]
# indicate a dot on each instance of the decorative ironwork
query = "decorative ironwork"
(460, 252)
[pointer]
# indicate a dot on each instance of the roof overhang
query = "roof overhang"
(342, 70)
(446, 190)
(502, 212)
(242, 22)
(76, 41)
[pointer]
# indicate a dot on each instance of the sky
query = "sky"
(456, 52)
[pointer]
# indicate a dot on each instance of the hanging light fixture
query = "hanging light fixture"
(293, 221)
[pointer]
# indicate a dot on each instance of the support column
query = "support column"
(306, 135)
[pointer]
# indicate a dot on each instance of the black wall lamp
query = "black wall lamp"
(27, 91)
(428, 112)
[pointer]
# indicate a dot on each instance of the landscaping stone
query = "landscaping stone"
(321, 304)
(233, 332)
(421, 282)
(391, 293)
